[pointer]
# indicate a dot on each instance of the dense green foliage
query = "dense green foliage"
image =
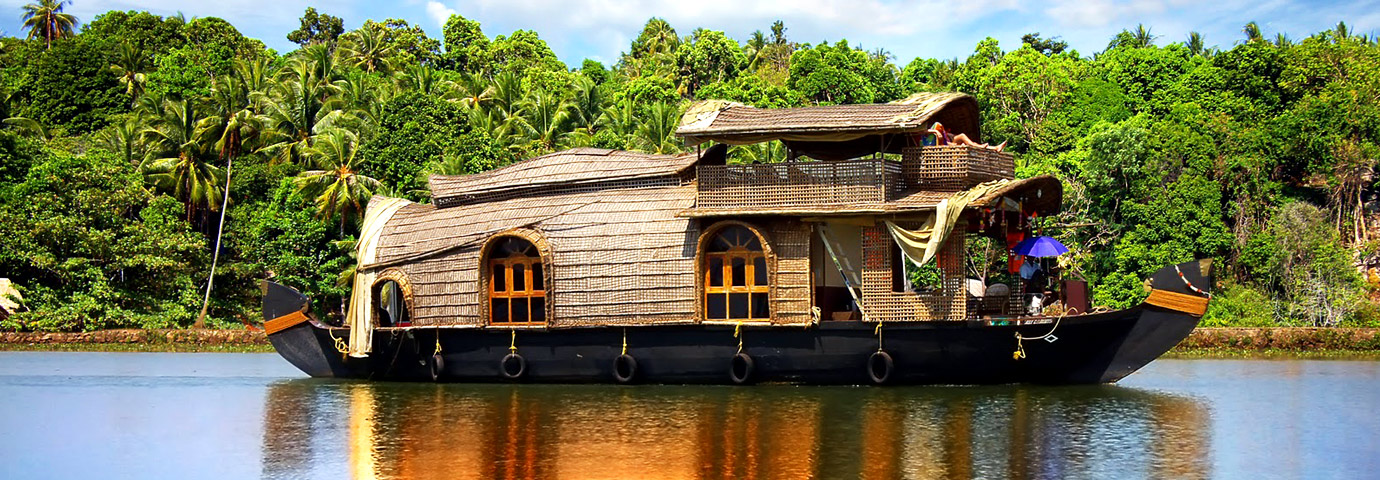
(119, 136)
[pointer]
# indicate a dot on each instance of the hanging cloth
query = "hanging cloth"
(919, 246)
(360, 316)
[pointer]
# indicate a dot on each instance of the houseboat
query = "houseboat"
(593, 265)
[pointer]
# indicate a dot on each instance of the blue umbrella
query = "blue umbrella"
(1041, 247)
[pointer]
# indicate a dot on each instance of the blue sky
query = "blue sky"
(601, 29)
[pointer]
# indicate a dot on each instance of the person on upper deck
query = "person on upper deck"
(943, 136)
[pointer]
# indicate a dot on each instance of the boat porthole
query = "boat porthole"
(740, 369)
(624, 368)
(879, 367)
(513, 366)
(438, 366)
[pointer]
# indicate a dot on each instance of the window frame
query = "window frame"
(489, 265)
(750, 287)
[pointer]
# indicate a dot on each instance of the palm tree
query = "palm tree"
(1142, 38)
(29, 127)
(507, 93)
(294, 109)
(1252, 31)
(368, 48)
(585, 105)
(1282, 40)
(46, 20)
(234, 123)
(621, 118)
(178, 161)
(130, 66)
(423, 80)
(473, 90)
(1195, 44)
(126, 139)
(765, 152)
(364, 100)
(756, 43)
(657, 132)
(543, 118)
(336, 185)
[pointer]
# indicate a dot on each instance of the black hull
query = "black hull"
(1095, 348)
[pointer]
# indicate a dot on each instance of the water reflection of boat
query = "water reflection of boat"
(503, 431)
(592, 265)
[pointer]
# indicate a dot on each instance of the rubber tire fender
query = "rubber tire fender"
(624, 363)
(740, 368)
(882, 361)
(438, 367)
(512, 358)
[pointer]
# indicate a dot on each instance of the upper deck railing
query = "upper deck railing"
(816, 185)
(797, 185)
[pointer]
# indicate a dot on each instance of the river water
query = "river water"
(181, 415)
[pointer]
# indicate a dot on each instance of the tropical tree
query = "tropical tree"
(657, 133)
(1195, 44)
(46, 20)
(544, 119)
(130, 66)
(473, 90)
(178, 160)
(368, 49)
(126, 139)
(423, 80)
(295, 108)
(1252, 31)
(335, 184)
(585, 105)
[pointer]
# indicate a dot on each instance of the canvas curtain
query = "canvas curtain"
(919, 246)
(360, 315)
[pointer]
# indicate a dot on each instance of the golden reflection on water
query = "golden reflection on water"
(422, 431)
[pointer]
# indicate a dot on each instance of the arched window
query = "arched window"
(736, 280)
(392, 299)
(517, 284)
(390, 307)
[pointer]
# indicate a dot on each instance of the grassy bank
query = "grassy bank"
(132, 340)
(1362, 343)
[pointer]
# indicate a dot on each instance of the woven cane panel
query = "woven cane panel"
(954, 167)
(882, 304)
(796, 185)
(791, 284)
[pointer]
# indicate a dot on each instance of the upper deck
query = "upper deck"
(923, 177)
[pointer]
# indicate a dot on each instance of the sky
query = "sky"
(602, 29)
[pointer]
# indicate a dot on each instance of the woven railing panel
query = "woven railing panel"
(884, 305)
(796, 185)
(954, 167)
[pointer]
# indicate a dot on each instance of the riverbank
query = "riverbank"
(134, 340)
(1284, 342)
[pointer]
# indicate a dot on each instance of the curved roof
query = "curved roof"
(734, 123)
(569, 167)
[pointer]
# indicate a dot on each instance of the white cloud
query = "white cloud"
(439, 12)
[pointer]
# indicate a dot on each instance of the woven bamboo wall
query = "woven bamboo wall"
(882, 304)
(954, 167)
(619, 256)
(791, 244)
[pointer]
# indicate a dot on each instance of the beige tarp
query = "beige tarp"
(360, 316)
(10, 299)
(919, 246)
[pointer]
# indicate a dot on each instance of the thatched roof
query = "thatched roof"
(619, 255)
(737, 124)
(567, 168)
